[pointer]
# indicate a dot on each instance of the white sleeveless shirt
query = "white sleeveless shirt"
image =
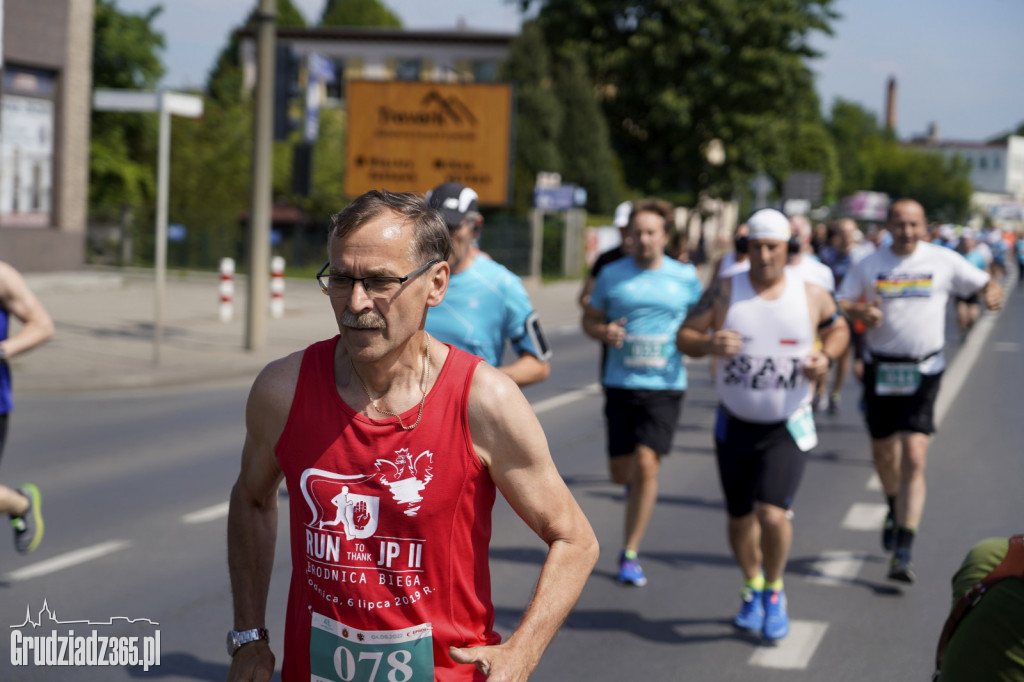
(764, 382)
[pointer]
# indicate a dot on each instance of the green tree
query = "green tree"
(942, 186)
(871, 158)
(359, 13)
(122, 156)
(224, 83)
(675, 76)
(809, 146)
(584, 144)
(857, 138)
(211, 179)
(538, 113)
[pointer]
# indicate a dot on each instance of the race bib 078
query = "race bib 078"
(340, 653)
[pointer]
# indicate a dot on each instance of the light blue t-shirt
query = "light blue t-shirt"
(485, 306)
(977, 259)
(654, 304)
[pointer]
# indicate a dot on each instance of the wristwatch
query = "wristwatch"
(237, 638)
(3, 353)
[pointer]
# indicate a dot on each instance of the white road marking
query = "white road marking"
(875, 483)
(836, 567)
(62, 561)
(207, 514)
(1006, 346)
(864, 516)
(566, 398)
(795, 651)
(956, 373)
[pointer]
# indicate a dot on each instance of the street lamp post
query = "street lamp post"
(165, 103)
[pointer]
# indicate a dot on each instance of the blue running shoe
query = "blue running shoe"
(751, 615)
(776, 620)
(630, 572)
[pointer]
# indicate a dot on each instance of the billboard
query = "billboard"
(866, 206)
(412, 136)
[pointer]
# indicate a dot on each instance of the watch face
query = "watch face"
(237, 638)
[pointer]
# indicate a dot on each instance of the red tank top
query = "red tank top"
(389, 532)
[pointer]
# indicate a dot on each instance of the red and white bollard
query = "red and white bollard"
(227, 289)
(277, 287)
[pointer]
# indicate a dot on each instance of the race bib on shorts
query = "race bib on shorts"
(339, 653)
(897, 378)
(801, 426)
(647, 350)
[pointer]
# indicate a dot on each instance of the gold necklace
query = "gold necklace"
(423, 387)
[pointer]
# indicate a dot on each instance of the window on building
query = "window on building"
(982, 162)
(485, 71)
(408, 69)
(26, 147)
(996, 162)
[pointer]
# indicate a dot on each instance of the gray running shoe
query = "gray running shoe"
(900, 568)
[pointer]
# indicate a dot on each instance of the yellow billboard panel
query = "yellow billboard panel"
(412, 136)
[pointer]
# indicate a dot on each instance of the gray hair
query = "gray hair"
(431, 240)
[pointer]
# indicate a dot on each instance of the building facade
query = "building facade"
(996, 167)
(45, 106)
(459, 56)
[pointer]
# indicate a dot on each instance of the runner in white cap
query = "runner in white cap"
(762, 324)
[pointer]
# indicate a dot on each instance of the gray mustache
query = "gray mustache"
(371, 319)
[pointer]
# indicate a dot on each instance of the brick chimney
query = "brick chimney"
(890, 104)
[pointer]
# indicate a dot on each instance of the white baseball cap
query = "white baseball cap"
(622, 213)
(769, 224)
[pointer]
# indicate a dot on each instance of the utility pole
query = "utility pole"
(259, 211)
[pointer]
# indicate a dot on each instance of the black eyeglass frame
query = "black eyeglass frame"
(362, 280)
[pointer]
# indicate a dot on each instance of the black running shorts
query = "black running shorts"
(756, 463)
(640, 417)
(889, 414)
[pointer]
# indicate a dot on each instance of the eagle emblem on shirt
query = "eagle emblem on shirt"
(406, 476)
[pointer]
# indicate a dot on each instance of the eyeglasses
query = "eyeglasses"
(340, 286)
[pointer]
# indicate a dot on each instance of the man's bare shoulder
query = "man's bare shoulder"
(274, 388)
(10, 280)
(499, 414)
(716, 296)
(491, 388)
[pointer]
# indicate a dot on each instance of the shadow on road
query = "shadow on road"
(808, 568)
(177, 664)
(667, 631)
(832, 457)
(676, 500)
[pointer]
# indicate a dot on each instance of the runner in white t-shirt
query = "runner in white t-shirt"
(809, 268)
(905, 288)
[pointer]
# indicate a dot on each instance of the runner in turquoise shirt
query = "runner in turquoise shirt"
(486, 305)
(637, 304)
(654, 303)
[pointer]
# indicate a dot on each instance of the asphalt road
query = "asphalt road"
(136, 485)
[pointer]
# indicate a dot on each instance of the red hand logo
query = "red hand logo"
(360, 515)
